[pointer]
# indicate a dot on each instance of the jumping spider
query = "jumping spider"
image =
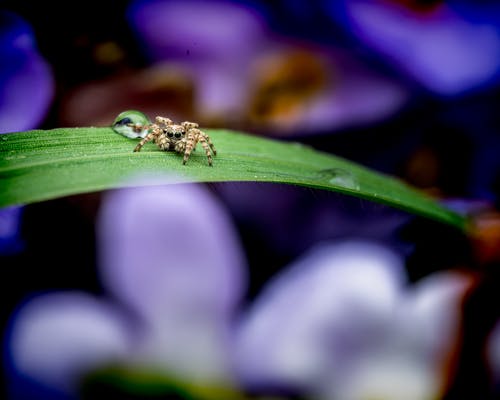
(181, 138)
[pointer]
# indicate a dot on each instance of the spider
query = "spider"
(181, 138)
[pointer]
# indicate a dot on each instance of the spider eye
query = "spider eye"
(170, 134)
(177, 135)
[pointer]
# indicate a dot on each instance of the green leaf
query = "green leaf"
(44, 164)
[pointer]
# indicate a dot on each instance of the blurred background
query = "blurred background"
(409, 88)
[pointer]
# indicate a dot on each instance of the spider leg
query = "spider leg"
(191, 142)
(205, 143)
(163, 142)
(180, 146)
(212, 147)
(163, 121)
(150, 136)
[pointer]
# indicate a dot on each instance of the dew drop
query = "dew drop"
(339, 177)
(132, 124)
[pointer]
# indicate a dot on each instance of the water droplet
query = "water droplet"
(339, 177)
(132, 124)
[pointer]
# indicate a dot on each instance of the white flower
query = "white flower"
(343, 323)
(171, 260)
(340, 323)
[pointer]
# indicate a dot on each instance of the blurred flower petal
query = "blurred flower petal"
(411, 361)
(330, 304)
(26, 90)
(167, 248)
(10, 235)
(161, 89)
(430, 313)
(272, 83)
(26, 81)
(171, 254)
(196, 29)
(56, 338)
(441, 49)
(341, 323)
(209, 49)
(388, 377)
(301, 88)
(358, 97)
(492, 355)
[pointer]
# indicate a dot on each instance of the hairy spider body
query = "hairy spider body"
(181, 138)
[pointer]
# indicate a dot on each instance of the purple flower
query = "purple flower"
(448, 50)
(492, 353)
(247, 76)
(10, 235)
(26, 82)
(340, 321)
(195, 29)
(26, 90)
(170, 258)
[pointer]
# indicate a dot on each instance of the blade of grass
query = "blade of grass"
(44, 164)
